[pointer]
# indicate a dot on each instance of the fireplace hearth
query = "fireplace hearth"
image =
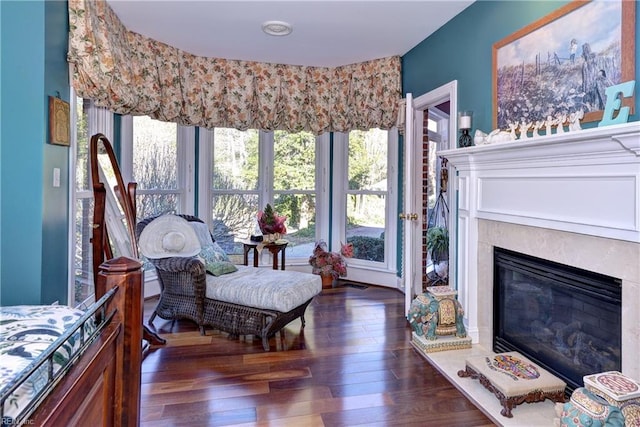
(564, 318)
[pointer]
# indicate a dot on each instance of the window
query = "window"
(157, 155)
(252, 168)
(89, 120)
(294, 188)
(155, 170)
(366, 195)
(83, 289)
(234, 186)
(364, 171)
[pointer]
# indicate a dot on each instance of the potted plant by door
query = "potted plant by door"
(438, 247)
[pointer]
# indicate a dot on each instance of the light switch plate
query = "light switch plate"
(56, 177)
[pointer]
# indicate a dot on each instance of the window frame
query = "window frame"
(338, 222)
(185, 161)
(99, 120)
(265, 189)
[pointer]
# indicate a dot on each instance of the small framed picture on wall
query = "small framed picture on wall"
(59, 121)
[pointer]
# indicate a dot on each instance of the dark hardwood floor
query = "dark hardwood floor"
(352, 364)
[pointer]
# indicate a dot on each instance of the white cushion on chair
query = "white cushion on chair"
(264, 288)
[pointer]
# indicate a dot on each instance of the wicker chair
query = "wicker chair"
(183, 296)
(182, 284)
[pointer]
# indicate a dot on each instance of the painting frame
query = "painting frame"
(59, 122)
(513, 106)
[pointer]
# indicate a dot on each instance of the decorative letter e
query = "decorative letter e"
(614, 103)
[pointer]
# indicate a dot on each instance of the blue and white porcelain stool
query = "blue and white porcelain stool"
(618, 390)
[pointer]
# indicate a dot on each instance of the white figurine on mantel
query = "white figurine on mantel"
(574, 120)
(562, 117)
(548, 123)
(537, 126)
(513, 127)
(524, 127)
(496, 135)
(480, 138)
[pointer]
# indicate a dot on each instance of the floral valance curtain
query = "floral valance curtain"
(131, 74)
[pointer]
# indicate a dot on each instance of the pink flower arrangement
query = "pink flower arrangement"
(325, 262)
(346, 249)
(270, 222)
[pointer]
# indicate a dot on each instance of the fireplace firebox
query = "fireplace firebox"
(566, 319)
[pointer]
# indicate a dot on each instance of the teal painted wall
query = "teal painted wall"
(55, 228)
(33, 216)
(23, 118)
(462, 49)
(0, 155)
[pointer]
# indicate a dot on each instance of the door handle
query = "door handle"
(410, 217)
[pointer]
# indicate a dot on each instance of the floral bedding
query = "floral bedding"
(25, 333)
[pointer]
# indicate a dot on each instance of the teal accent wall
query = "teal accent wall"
(55, 219)
(33, 215)
(0, 155)
(23, 130)
(462, 50)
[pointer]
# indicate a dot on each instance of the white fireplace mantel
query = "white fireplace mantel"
(584, 182)
(573, 198)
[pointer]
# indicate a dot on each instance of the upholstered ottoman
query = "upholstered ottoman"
(513, 379)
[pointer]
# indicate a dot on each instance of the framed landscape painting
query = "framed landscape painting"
(564, 62)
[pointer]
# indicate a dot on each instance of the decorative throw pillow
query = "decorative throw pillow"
(202, 231)
(220, 268)
(215, 260)
(213, 253)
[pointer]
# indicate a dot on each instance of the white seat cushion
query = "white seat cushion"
(264, 288)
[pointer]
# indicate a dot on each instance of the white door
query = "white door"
(411, 215)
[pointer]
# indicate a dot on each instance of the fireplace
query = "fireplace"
(571, 199)
(564, 318)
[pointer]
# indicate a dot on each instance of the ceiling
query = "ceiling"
(325, 33)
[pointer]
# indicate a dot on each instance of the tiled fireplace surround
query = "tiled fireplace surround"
(573, 198)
